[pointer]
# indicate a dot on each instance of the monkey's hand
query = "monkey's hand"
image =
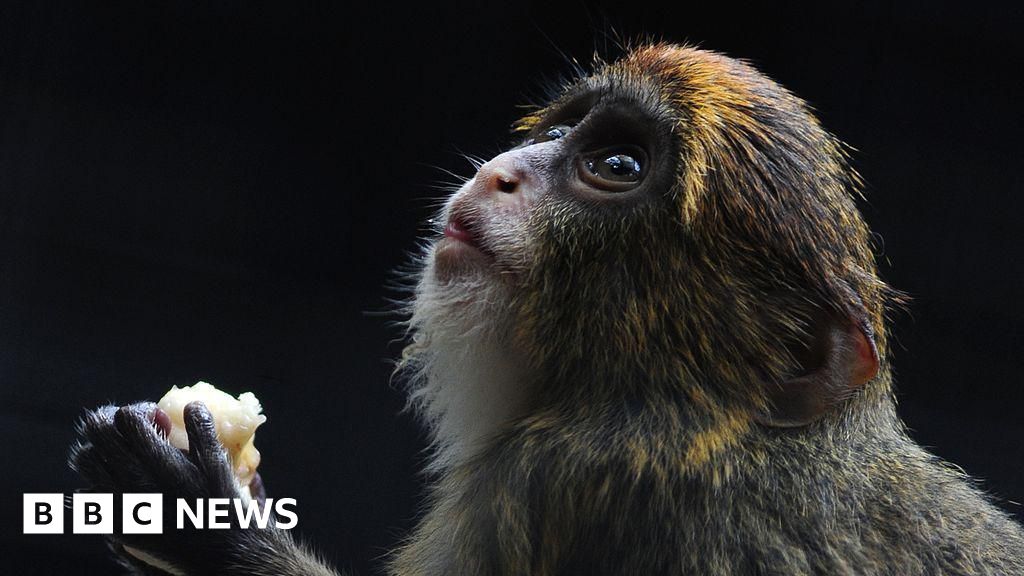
(125, 450)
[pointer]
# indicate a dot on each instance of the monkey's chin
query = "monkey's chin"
(455, 258)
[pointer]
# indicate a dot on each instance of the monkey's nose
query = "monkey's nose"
(499, 179)
(505, 179)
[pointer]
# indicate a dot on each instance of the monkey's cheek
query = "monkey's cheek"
(454, 258)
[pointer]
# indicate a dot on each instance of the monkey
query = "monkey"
(648, 338)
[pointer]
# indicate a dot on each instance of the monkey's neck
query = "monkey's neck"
(467, 388)
(472, 387)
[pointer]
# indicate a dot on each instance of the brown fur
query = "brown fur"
(656, 337)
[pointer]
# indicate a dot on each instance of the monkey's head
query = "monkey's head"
(674, 223)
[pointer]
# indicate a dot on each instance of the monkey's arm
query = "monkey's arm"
(120, 450)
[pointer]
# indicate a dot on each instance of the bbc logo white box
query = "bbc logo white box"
(142, 514)
(92, 513)
(43, 513)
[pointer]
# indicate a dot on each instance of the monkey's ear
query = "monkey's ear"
(837, 359)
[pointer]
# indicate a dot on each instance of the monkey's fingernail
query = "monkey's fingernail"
(162, 422)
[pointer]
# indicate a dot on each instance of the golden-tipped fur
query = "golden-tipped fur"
(646, 345)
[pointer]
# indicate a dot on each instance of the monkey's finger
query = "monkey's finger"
(102, 455)
(83, 457)
(206, 451)
(85, 461)
(257, 489)
(96, 426)
(168, 467)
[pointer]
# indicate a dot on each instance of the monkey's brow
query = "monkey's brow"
(610, 92)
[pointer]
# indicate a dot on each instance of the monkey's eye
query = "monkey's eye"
(614, 171)
(553, 133)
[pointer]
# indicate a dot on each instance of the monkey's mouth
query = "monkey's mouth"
(461, 248)
(463, 230)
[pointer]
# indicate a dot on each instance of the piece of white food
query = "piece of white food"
(235, 419)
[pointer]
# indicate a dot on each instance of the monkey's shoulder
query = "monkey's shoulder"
(573, 498)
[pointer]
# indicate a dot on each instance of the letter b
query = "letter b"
(43, 514)
(92, 513)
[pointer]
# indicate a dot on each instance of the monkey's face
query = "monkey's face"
(674, 216)
(572, 207)
(604, 154)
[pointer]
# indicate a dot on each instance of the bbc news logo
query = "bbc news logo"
(143, 513)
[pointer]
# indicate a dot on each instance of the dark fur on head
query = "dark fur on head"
(758, 233)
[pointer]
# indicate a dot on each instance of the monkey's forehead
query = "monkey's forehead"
(608, 85)
(675, 83)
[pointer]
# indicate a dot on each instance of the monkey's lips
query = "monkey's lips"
(459, 229)
(460, 248)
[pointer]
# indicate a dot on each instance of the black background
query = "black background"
(220, 192)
